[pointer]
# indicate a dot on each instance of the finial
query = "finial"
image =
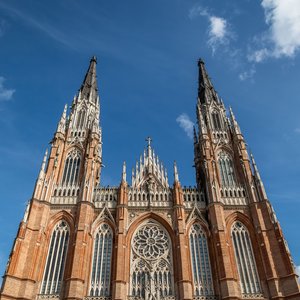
(176, 177)
(45, 160)
(94, 58)
(166, 177)
(234, 122)
(200, 61)
(148, 140)
(43, 166)
(258, 178)
(231, 113)
(61, 127)
(124, 172)
(132, 177)
(65, 110)
(256, 172)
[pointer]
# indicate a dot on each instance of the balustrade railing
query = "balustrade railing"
(192, 196)
(97, 298)
(161, 298)
(253, 296)
(234, 195)
(48, 297)
(106, 196)
(65, 194)
(139, 197)
(211, 297)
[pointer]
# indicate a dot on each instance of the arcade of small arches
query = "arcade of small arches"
(151, 262)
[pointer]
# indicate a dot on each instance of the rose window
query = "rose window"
(150, 242)
(151, 270)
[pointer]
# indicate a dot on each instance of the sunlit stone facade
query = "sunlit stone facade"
(149, 238)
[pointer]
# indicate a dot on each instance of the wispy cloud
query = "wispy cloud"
(5, 93)
(198, 10)
(42, 26)
(219, 33)
(247, 74)
(297, 130)
(282, 39)
(186, 124)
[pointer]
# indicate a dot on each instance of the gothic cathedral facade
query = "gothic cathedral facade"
(149, 240)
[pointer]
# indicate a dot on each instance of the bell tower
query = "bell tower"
(244, 229)
(61, 201)
(74, 163)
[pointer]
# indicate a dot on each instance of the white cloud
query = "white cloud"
(217, 27)
(218, 30)
(186, 124)
(259, 55)
(282, 38)
(247, 74)
(5, 94)
(284, 20)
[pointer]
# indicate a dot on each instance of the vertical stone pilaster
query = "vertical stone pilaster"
(77, 283)
(184, 275)
(227, 278)
(119, 284)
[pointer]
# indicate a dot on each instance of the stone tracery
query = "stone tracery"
(151, 263)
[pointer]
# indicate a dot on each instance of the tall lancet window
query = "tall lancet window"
(226, 170)
(151, 268)
(202, 277)
(55, 264)
(245, 260)
(101, 263)
(80, 119)
(71, 170)
(216, 121)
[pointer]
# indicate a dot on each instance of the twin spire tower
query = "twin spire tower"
(149, 240)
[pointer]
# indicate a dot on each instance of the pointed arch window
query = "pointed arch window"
(81, 119)
(226, 170)
(55, 264)
(202, 277)
(151, 268)
(71, 170)
(101, 262)
(216, 121)
(245, 260)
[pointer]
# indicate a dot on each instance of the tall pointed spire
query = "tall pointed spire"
(206, 92)
(89, 88)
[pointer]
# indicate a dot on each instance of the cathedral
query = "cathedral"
(149, 238)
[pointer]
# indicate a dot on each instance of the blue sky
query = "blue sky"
(147, 53)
